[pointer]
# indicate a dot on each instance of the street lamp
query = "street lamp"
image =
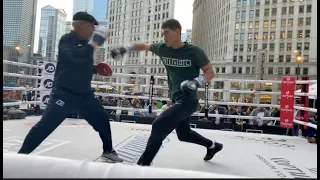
(298, 61)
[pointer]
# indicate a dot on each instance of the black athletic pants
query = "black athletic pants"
(176, 117)
(62, 103)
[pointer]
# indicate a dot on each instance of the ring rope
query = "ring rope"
(165, 77)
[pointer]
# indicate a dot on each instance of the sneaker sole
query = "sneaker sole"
(105, 159)
(214, 154)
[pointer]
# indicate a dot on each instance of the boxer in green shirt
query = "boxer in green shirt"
(183, 62)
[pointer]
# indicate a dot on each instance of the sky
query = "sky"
(183, 13)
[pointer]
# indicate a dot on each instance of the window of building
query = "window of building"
(306, 58)
(242, 36)
(264, 46)
(282, 35)
(237, 25)
(270, 70)
(280, 70)
(249, 47)
(249, 36)
(284, 11)
(281, 47)
(307, 33)
(291, 10)
(253, 58)
(238, 14)
(251, 14)
(257, 13)
(283, 22)
(256, 24)
(290, 22)
(250, 24)
(300, 22)
(235, 48)
(266, 12)
(257, 2)
(305, 71)
(236, 36)
(238, 3)
(273, 24)
(289, 34)
(267, 1)
(266, 24)
(299, 46)
(287, 71)
(274, 12)
(223, 70)
(243, 14)
(309, 8)
(265, 35)
(300, 33)
(308, 21)
(288, 58)
(217, 70)
(253, 70)
(239, 70)
(234, 58)
(271, 58)
(247, 70)
(248, 58)
(272, 35)
(252, 2)
(301, 9)
(244, 3)
(255, 47)
(243, 25)
(271, 46)
(241, 48)
(289, 46)
(234, 70)
(306, 46)
(280, 58)
(256, 35)
(240, 58)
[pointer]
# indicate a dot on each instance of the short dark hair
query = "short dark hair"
(172, 24)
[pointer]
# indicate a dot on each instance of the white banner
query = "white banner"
(48, 71)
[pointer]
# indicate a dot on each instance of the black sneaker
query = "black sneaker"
(111, 157)
(212, 151)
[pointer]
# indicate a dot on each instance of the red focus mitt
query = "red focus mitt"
(104, 69)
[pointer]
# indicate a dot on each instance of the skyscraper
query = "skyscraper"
(68, 27)
(97, 8)
(19, 19)
(53, 23)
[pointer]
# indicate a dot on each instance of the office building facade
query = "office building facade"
(52, 28)
(256, 39)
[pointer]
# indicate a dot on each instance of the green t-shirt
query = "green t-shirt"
(181, 64)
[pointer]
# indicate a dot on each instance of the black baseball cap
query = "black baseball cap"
(83, 16)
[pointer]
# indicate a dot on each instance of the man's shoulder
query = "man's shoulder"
(67, 36)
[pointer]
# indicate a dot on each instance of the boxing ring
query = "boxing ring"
(250, 155)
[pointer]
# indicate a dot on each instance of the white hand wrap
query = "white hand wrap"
(201, 80)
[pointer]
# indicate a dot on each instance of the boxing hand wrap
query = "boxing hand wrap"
(118, 53)
(188, 86)
(201, 80)
(100, 35)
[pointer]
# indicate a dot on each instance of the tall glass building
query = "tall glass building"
(97, 8)
(52, 27)
(19, 19)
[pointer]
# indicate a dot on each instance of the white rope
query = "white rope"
(22, 88)
(18, 103)
(21, 75)
(215, 115)
(21, 64)
(202, 101)
(165, 77)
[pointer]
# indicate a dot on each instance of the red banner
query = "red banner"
(287, 101)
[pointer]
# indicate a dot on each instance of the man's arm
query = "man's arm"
(204, 63)
(94, 70)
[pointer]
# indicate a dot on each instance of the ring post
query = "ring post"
(151, 93)
(206, 102)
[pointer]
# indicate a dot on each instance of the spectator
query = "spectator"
(10, 99)
(249, 110)
(166, 106)
(275, 112)
(231, 110)
(259, 112)
(104, 100)
(29, 97)
(214, 109)
(239, 123)
(138, 112)
(311, 133)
